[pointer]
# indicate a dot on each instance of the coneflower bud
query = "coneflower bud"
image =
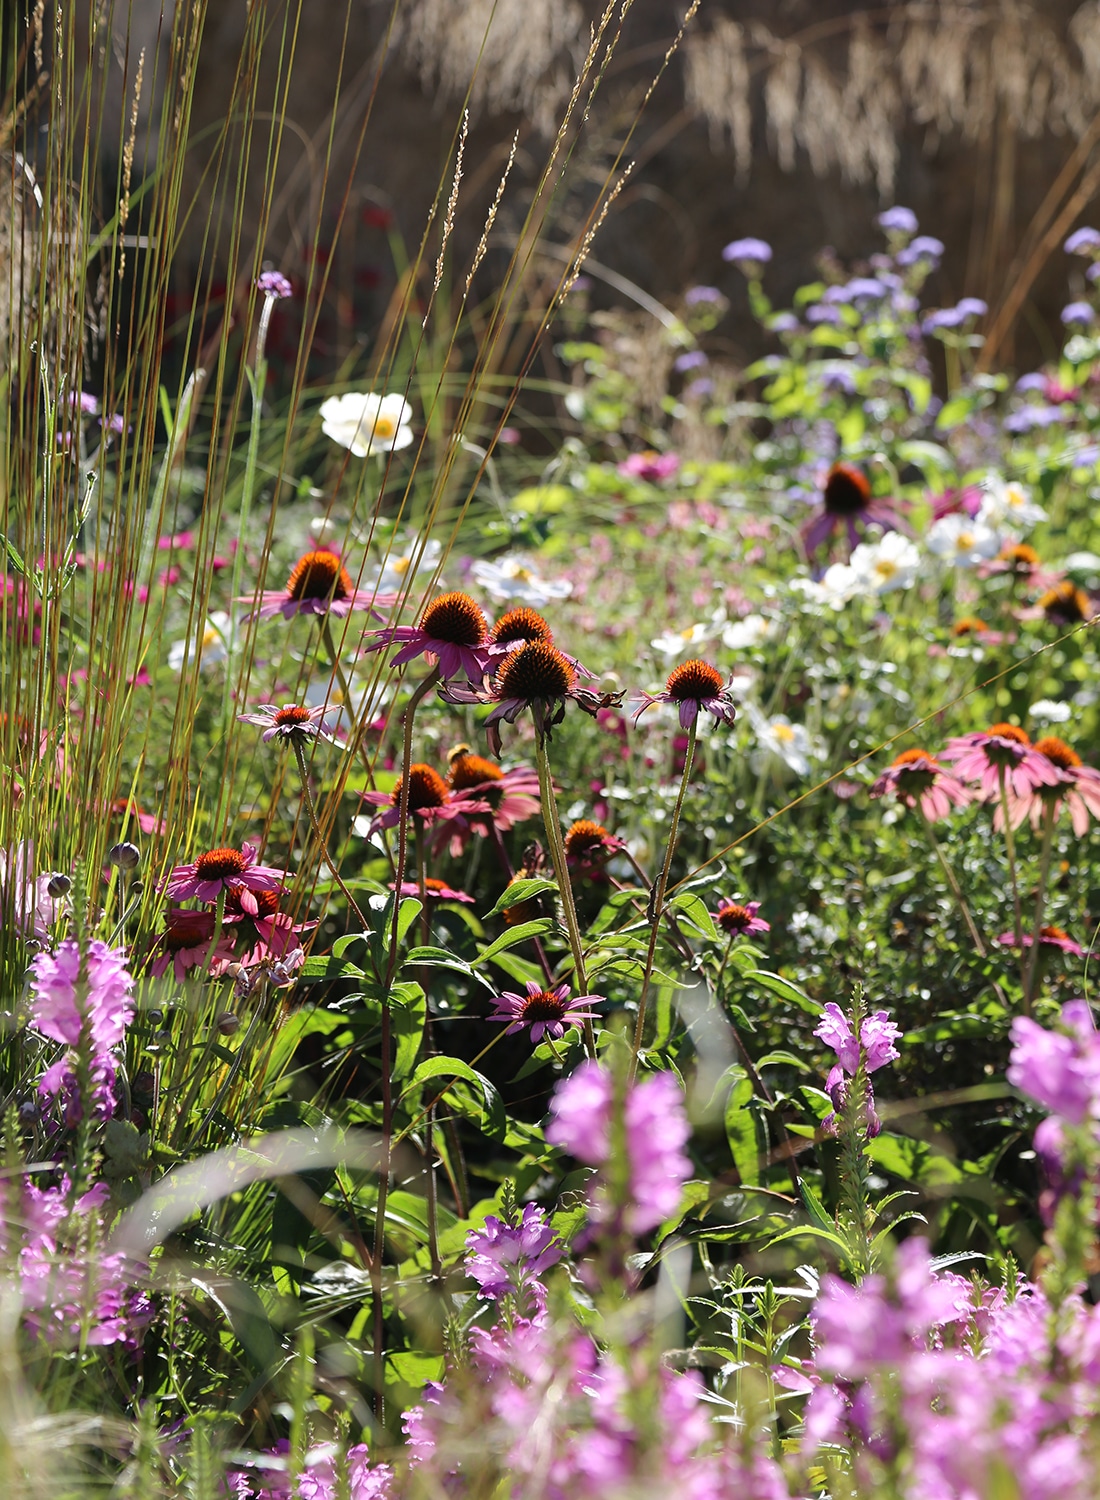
(125, 855)
(58, 885)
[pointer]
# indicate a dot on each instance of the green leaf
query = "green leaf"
(437, 958)
(784, 989)
(744, 1129)
(800, 1231)
(513, 937)
(696, 913)
(522, 890)
(408, 1029)
(326, 966)
(494, 1120)
(407, 914)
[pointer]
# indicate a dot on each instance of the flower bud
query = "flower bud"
(227, 1023)
(126, 856)
(58, 885)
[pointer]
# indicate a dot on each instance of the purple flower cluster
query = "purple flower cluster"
(586, 1117)
(319, 1479)
(877, 1035)
(507, 1258)
(81, 999)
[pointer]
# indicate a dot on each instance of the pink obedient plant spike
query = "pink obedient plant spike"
(1060, 1070)
(656, 1131)
(319, 1479)
(877, 1034)
(84, 1002)
(509, 1258)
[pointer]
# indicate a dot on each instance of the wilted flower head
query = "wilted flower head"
(691, 687)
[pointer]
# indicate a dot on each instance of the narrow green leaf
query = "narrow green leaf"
(784, 989)
(513, 937)
(522, 890)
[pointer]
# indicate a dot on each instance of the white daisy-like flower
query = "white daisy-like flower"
(743, 634)
(367, 423)
(838, 586)
(1009, 508)
(962, 542)
(888, 564)
(1047, 711)
(680, 642)
(781, 745)
(394, 574)
(213, 646)
(511, 578)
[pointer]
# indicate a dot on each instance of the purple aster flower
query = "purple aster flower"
(274, 284)
(1082, 241)
(547, 1011)
(955, 317)
(695, 359)
(1060, 1070)
(1092, 273)
(783, 322)
(453, 629)
(291, 722)
(1034, 381)
(218, 870)
(83, 1001)
(897, 220)
(702, 294)
(1078, 313)
(925, 247)
(822, 312)
(699, 388)
(859, 289)
(692, 686)
(508, 1258)
(750, 255)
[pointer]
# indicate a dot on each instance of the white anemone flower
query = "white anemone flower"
(888, 564)
(367, 423)
(1047, 711)
(962, 542)
(838, 586)
(1009, 508)
(511, 578)
(781, 745)
(403, 562)
(213, 647)
(679, 642)
(743, 634)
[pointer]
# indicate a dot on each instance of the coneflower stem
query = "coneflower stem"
(657, 900)
(378, 1321)
(552, 822)
(1010, 851)
(1049, 810)
(311, 814)
(956, 890)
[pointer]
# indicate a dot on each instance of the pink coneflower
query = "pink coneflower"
(588, 846)
(650, 466)
(967, 501)
(430, 801)
(693, 686)
(983, 757)
(185, 943)
(435, 890)
(739, 918)
(917, 777)
(218, 870)
(518, 626)
(292, 721)
(1066, 604)
(452, 629)
(319, 584)
(547, 1012)
(537, 676)
(512, 797)
(1049, 937)
(267, 931)
(1077, 787)
(846, 500)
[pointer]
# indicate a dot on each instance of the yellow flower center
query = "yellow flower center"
(783, 733)
(384, 427)
(885, 568)
(401, 565)
(966, 540)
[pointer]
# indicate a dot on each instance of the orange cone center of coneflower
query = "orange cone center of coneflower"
(1009, 732)
(186, 929)
(219, 864)
(295, 714)
(846, 490)
(1058, 751)
(535, 673)
(1021, 557)
(1066, 602)
(545, 1006)
(521, 624)
(918, 770)
(318, 575)
(969, 625)
(1053, 935)
(456, 619)
(585, 837)
(472, 770)
(426, 789)
(911, 757)
(434, 887)
(733, 918)
(694, 679)
(267, 902)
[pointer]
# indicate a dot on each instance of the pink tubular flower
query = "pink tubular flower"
(1060, 1070)
(453, 629)
(319, 584)
(318, 1479)
(217, 870)
(916, 777)
(1049, 937)
(291, 722)
(83, 1001)
(693, 686)
(740, 919)
(983, 756)
(1077, 788)
(548, 1012)
(508, 1258)
(877, 1035)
